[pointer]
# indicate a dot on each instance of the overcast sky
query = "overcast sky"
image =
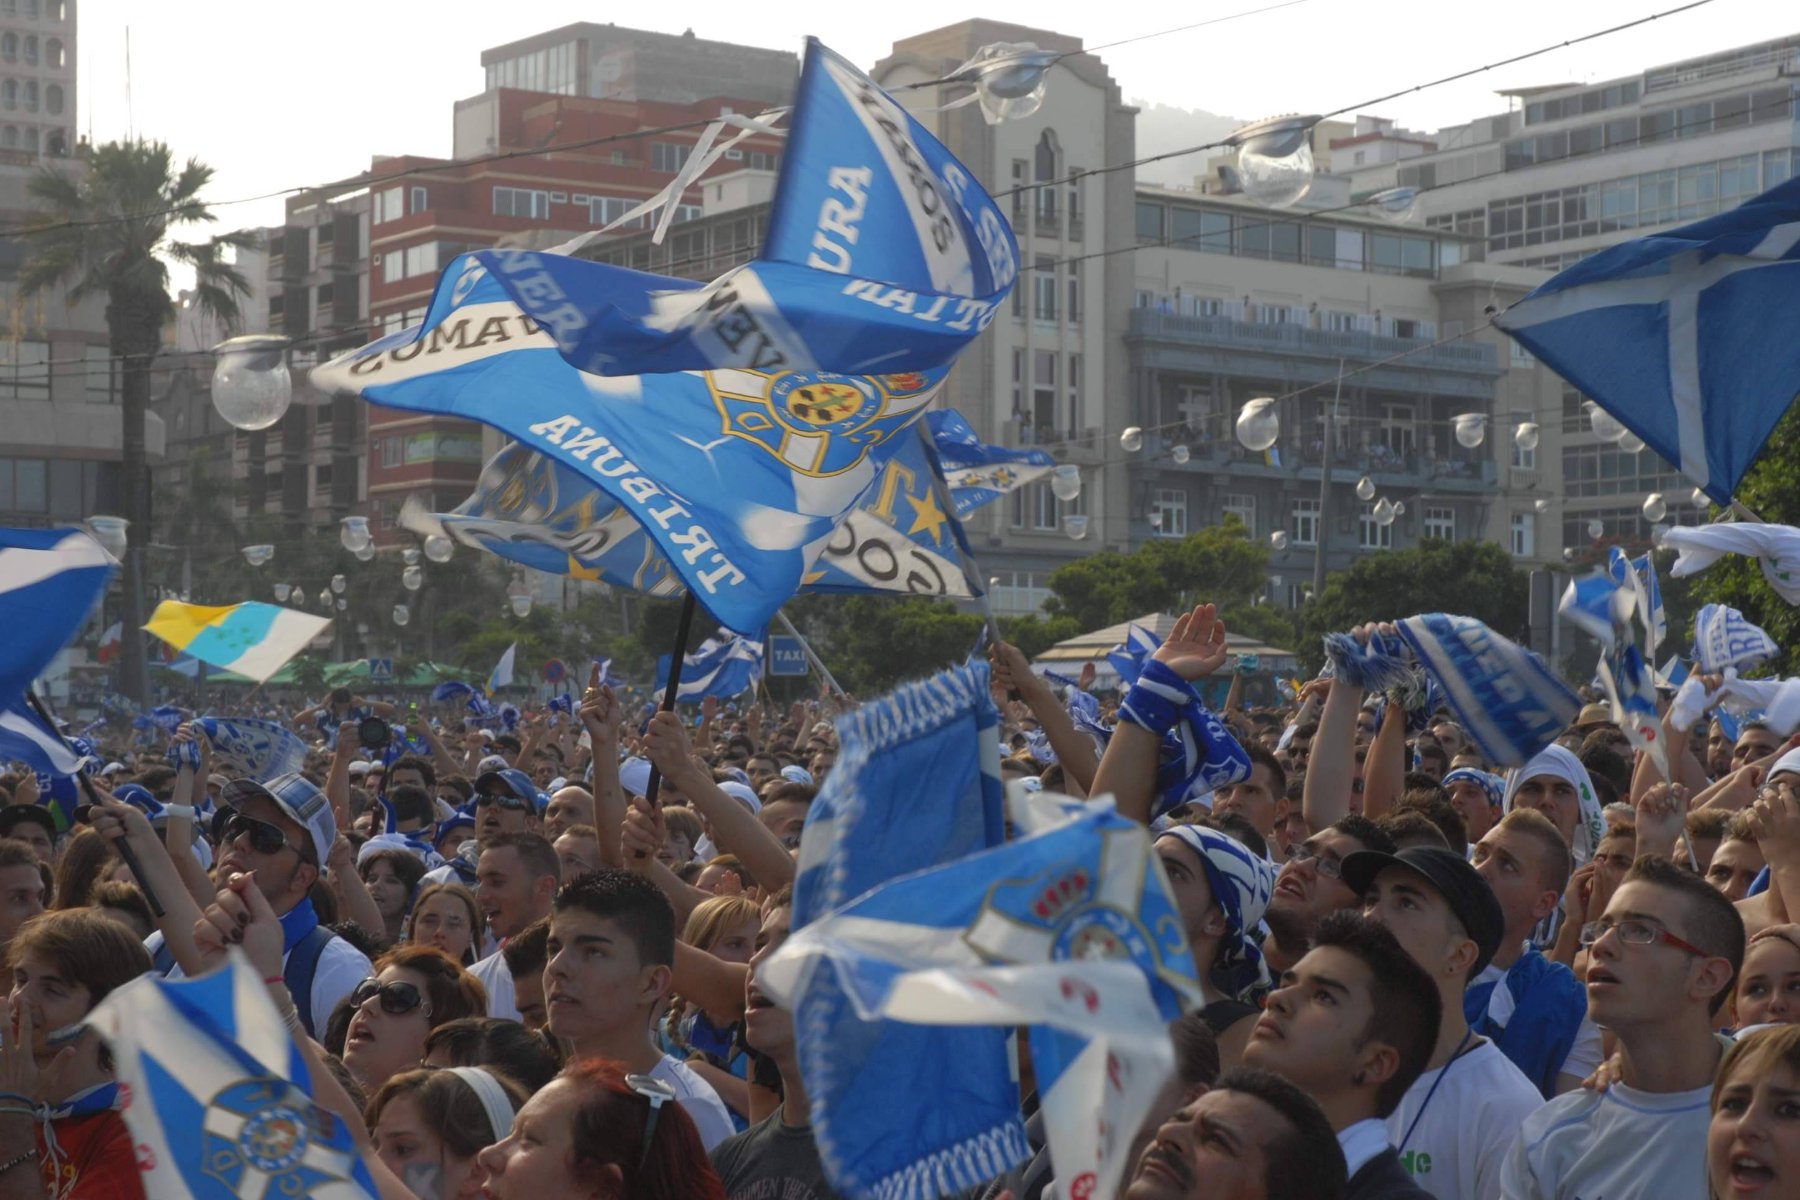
(276, 96)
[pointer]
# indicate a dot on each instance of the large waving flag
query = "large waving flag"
(220, 1099)
(1685, 337)
(1072, 930)
(742, 473)
(723, 666)
(26, 738)
(1602, 604)
(50, 580)
(253, 639)
(502, 674)
(1724, 637)
(257, 749)
(1507, 697)
(979, 473)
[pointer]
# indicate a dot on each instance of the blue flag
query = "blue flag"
(1639, 574)
(723, 666)
(220, 1098)
(916, 785)
(24, 737)
(50, 580)
(1129, 659)
(1724, 637)
(1684, 337)
(979, 473)
(1511, 703)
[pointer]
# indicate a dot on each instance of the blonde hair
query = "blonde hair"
(711, 918)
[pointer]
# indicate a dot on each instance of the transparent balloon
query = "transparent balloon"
(1630, 442)
(412, 579)
(282, 590)
(1526, 435)
(257, 556)
(1470, 428)
(518, 595)
(1365, 488)
(1275, 160)
(1075, 526)
(1132, 440)
(1399, 508)
(1065, 481)
(1398, 205)
(1258, 425)
(402, 614)
(410, 556)
(1541, 505)
(110, 533)
(355, 534)
(342, 604)
(1701, 498)
(251, 386)
(366, 554)
(1009, 79)
(1655, 507)
(1279, 539)
(324, 597)
(1596, 528)
(1180, 454)
(1605, 428)
(339, 583)
(298, 598)
(439, 548)
(1383, 512)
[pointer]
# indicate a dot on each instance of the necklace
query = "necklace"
(1432, 1091)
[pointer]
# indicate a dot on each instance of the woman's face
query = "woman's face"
(47, 994)
(736, 943)
(535, 1160)
(386, 889)
(381, 1044)
(1753, 1144)
(1768, 989)
(412, 1149)
(443, 921)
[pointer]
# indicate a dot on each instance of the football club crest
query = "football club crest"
(819, 423)
(261, 1141)
(1065, 913)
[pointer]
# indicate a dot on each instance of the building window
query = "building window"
(99, 375)
(1149, 222)
(9, 93)
(1242, 505)
(531, 203)
(389, 206)
(31, 95)
(763, 160)
(53, 52)
(604, 210)
(1524, 535)
(1043, 507)
(419, 198)
(1440, 523)
(1169, 513)
(25, 371)
(31, 50)
(1372, 534)
(1074, 294)
(1043, 288)
(1523, 459)
(669, 157)
(1303, 523)
(9, 47)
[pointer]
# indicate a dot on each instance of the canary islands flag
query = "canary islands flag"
(253, 639)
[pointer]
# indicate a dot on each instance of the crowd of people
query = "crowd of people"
(517, 977)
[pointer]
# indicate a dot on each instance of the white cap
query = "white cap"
(360, 767)
(634, 775)
(742, 793)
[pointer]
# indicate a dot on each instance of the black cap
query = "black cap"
(1470, 898)
(13, 815)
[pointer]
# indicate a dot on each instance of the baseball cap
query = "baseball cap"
(492, 763)
(15, 815)
(1450, 875)
(299, 799)
(513, 782)
(360, 768)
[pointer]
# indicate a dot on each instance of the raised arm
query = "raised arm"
(735, 829)
(1384, 772)
(600, 714)
(1074, 749)
(115, 819)
(1325, 797)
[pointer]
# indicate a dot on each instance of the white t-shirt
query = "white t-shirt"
(1456, 1149)
(340, 968)
(1584, 1055)
(711, 1118)
(1620, 1142)
(499, 984)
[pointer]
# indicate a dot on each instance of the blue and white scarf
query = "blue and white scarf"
(1241, 884)
(1198, 754)
(1723, 638)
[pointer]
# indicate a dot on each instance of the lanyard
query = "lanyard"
(1432, 1091)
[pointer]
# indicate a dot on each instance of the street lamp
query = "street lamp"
(251, 387)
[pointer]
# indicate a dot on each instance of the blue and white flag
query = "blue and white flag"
(723, 666)
(1684, 337)
(916, 785)
(979, 473)
(502, 674)
(24, 737)
(1602, 604)
(452, 689)
(606, 674)
(1072, 930)
(1129, 659)
(1724, 638)
(1511, 703)
(50, 580)
(1639, 574)
(259, 750)
(219, 1098)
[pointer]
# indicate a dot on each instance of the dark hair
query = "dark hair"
(450, 1106)
(453, 992)
(1604, 762)
(1304, 1163)
(800, 793)
(1431, 747)
(407, 867)
(531, 1058)
(1410, 827)
(609, 1124)
(477, 917)
(632, 902)
(124, 897)
(85, 859)
(1196, 1050)
(1407, 1011)
(412, 803)
(507, 741)
(1435, 807)
(1278, 785)
(1420, 779)
(159, 781)
(87, 949)
(368, 942)
(1709, 823)
(460, 784)
(1364, 830)
(1238, 826)
(415, 762)
(524, 951)
(730, 863)
(536, 853)
(1712, 923)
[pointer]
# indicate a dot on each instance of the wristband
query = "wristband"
(179, 810)
(185, 754)
(275, 979)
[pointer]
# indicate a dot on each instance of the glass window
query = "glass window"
(31, 491)
(1043, 280)
(99, 375)
(669, 157)
(65, 488)
(1242, 505)
(1303, 523)
(1169, 513)
(1524, 535)
(1440, 523)
(521, 202)
(1284, 241)
(1372, 534)
(1149, 222)
(1384, 252)
(1200, 229)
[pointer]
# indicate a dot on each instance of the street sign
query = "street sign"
(787, 655)
(555, 671)
(381, 670)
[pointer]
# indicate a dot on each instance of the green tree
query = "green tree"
(1772, 491)
(1474, 579)
(107, 231)
(1219, 564)
(1034, 634)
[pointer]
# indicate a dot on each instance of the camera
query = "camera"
(374, 733)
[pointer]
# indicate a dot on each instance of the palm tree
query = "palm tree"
(107, 225)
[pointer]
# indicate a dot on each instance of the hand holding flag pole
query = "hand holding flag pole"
(670, 691)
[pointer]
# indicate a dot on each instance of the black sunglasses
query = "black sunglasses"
(397, 998)
(487, 799)
(264, 838)
(658, 1094)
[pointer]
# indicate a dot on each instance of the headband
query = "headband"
(493, 1099)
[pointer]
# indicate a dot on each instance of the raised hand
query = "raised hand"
(1196, 646)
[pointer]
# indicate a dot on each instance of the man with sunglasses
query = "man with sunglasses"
(1661, 962)
(506, 801)
(1310, 887)
(281, 832)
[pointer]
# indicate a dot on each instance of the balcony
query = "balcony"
(1297, 341)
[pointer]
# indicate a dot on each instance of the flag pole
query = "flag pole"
(673, 688)
(818, 664)
(87, 786)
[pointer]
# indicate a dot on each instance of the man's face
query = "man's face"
(282, 873)
(54, 1000)
(1311, 1030)
(594, 984)
(528, 998)
(37, 837)
(1508, 860)
(498, 812)
(822, 762)
(1734, 867)
(507, 892)
(761, 768)
(1718, 751)
(578, 855)
(1217, 1148)
(406, 777)
(1754, 744)
(1614, 857)
(785, 819)
(1629, 985)
(1470, 801)
(768, 1028)
(1193, 891)
(570, 806)
(1254, 800)
(1412, 909)
(1448, 736)
(1305, 891)
(1366, 727)
(21, 898)
(1556, 798)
